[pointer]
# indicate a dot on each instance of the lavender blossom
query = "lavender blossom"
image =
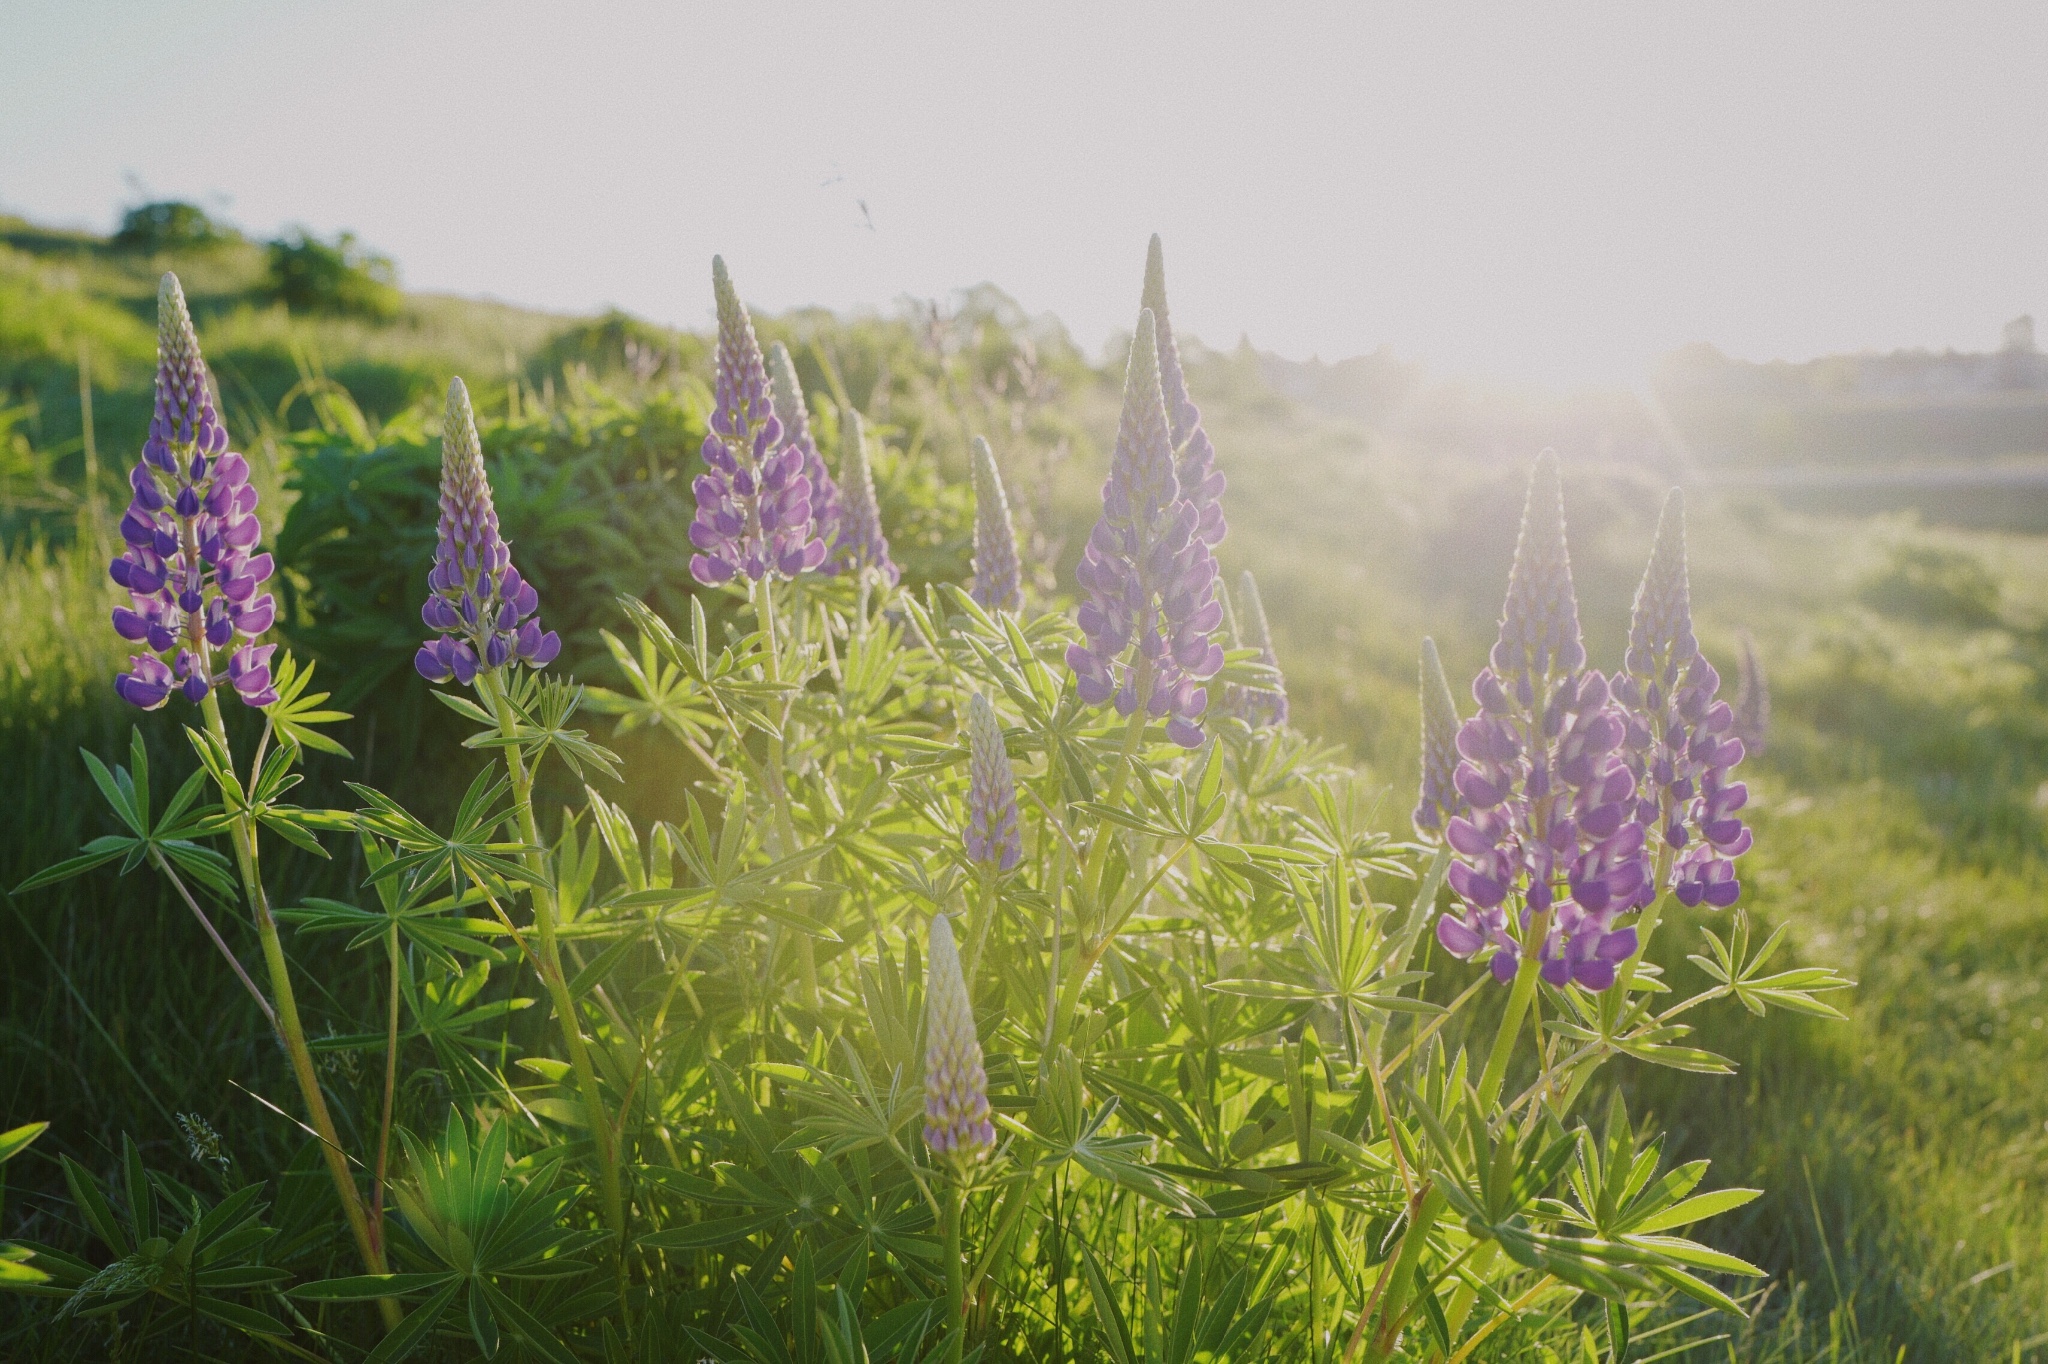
(1552, 829)
(1256, 706)
(1681, 742)
(1201, 483)
(956, 1122)
(190, 530)
(992, 837)
(1752, 700)
(754, 512)
(861, 544)
(482, 607)
(1150, 582)
(796, 425)
(998, 578)
(1441, 801)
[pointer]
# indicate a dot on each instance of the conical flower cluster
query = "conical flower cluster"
(998, 576)
(1201, 483)
(1552, 828)
(992, 835)
(1752, 700)
(1256, 706)
(1150, 582)
(860, 544)
(1441, 801)
(956, 1121)
(796, 427)
(189, 567)
(754, 512)
(482, 607)
(1681, 741)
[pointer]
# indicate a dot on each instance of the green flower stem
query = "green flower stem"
(1519, 999)
(243, 836)
(1646, 927)
(1422, 1215)
(956, 1315)
(763, 596)
(550, 965)
(988, 905)
(390, 1092)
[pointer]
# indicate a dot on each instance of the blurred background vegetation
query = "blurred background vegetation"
(1878, 524)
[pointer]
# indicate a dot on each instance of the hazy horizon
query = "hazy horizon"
(1553, 199)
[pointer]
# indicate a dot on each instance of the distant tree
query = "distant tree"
(341, 276)
(169, 225)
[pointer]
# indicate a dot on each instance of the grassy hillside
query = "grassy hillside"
(1900, 804)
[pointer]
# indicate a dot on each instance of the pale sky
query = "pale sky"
(1555, 193)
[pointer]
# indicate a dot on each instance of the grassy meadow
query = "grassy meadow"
(1899, 809)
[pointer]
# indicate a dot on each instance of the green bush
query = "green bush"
(341, 276)
(169, 225)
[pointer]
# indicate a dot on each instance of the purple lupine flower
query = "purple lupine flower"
(998, 578)
(1150, 581)
(1752, 700)
(1441, 801)
(861, 544)
(1552, 830)
(956, 1122)
(482, 607)
(992, 837)
(189, 567)
(1201, 482)
(1256, 706)
(754, 512)
(1681, 741)
(796, 428)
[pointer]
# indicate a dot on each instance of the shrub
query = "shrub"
(341, 276)
(169, 225)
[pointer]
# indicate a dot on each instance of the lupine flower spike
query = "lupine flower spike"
(796, 428)
(1681, 740)
(754, 513)
(1201, 483)
(1150, 582)
(998, 579)
(1257, 706)
(483, 609)
(1552, 829)
(189, 567)
(861, 543)
(992, 837)
(956, 1121)
(1752, 700)
(1441, 800)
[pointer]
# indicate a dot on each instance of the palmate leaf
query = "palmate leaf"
(296, 715)
(126, 791)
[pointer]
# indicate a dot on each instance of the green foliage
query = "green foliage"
(169, 225)
(1933, 584)
(341, 276)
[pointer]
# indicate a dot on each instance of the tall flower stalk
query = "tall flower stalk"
(1149, 581)
(489, 612)
(190, 566)
(1681, 743)
(1256, 706)
(755, 517)
(998, 576)
(994, 843)
(956, 1110)
(192, 574)
(795, 417)
(860, 547)
(1551, 850)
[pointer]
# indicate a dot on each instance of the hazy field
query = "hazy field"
(1900, 807)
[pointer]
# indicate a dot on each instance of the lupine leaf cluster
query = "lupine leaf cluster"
(988, 994)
